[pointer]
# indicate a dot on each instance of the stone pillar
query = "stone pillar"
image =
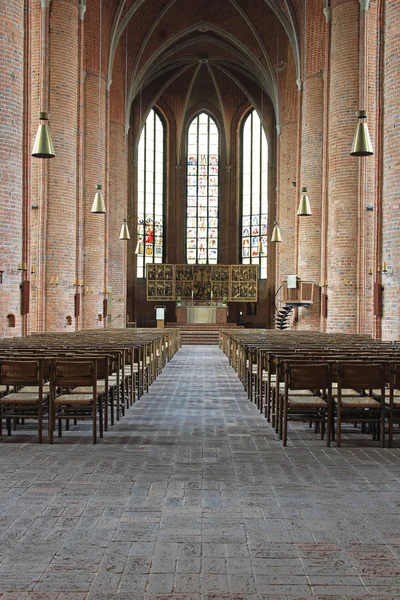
(11, 162)
(342, 267)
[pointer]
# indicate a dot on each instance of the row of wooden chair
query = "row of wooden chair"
(359, 383)
(88, 375)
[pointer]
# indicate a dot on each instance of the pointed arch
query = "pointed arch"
(151, 192)
(254, 192)
(202, 199)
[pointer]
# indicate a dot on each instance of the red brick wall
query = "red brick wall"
(287, 167)
(309, 228)
(38, 168)
(11, 160)
(391, 174)
(354, 240)
(62, 184)
(343, 169)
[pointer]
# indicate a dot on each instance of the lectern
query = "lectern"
(160, 316)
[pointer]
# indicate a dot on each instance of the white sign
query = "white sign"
(160, 314)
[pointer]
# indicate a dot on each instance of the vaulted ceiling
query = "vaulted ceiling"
(192, 51)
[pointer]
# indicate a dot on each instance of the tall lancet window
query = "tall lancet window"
(202, 191)
(254, 193)
(150, 211)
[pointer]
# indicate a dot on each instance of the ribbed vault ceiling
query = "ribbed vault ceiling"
(205, 46)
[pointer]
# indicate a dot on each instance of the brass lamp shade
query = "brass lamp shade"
(261, 250)
(98, 205)
(276, 234)
(124, 235)
(362, 145)
(304, 209)
(139, 247)
(43, 146)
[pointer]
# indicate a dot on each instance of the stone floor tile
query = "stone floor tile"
(214, 583)
(160, 583)
(191, 496)
(187, 583)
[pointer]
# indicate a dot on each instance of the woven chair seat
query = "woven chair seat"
(294, 392)
(87, 389)
(359, 402)
(22, 398)
(306, 402)
(31, 389)
(345, 391)
(74, 399)
(387, 391)
(396, 403)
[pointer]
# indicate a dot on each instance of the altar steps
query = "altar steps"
(202, 334)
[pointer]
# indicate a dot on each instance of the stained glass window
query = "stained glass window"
(254, 233)
(202, 191)
(150, 193)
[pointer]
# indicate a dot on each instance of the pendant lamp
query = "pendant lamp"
(362, 145)
(43, 146)
(139, 247)
(304, 209)
(276, 234)
(124, 235)
(261, 250)
(98, 205)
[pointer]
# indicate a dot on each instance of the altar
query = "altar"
(202, 314)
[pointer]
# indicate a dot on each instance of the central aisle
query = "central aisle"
(191, 497)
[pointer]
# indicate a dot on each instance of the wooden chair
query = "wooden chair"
(392, 400)
(307, 396)
(67, 375)
(362, 408)
(30, 403)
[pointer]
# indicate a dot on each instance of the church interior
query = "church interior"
(199, 299)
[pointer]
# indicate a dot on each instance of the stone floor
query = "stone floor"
(191, 497)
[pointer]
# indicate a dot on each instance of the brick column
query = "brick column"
(309, 236)
(118, 192)
(343, 169)
(94, 171)
(309, 227)
(60, 242)
(287, 173)
(391, 174)
(11, 161)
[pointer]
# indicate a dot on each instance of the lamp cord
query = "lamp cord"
(304, 67)
(100, 67)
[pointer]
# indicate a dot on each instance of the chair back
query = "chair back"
(360, 376)
(75, 373)
(21, 372)
(308, 376)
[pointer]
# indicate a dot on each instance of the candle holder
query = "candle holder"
(22, 267)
